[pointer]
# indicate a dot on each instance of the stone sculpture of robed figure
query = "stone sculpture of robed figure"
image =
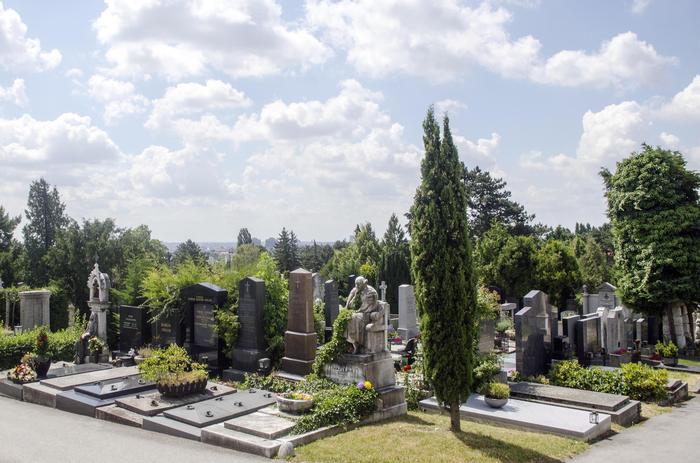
(366, 328)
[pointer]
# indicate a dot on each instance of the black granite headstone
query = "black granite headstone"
(166, 330)
(200, 301)
(134, 329)
(250, 345)
(331, 305)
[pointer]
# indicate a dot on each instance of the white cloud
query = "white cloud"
(180, 38)
(119, 97)
(449, 106)
(16, 93)
(685, 105)
(639, 6)
(478, 153)
(622, 61)
(393, 36)
(670, 140)
(193, 98)
(17, 51)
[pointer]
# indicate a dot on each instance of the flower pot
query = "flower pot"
(139, 359)
(293, 405)
(669, 361)
(42, 367)
(495, 403)
(183, 389)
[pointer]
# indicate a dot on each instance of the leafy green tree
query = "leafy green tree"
(395, 266)
(655, 215)
(593, 265)
(557, 272)
(244, 237)
(345, 262)
(560, 233)
(443, 270)
(315, 256)
(276, 300)
(246, 256)
(367, 244)
(45, 217)
(189, 250)
(489, 202)
(132, 286)
(286, 251)
(10, 249)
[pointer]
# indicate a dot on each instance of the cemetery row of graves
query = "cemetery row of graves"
(256, 356)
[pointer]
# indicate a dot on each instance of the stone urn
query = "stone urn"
(42, 366)
(669, 361)
(495, 403)
(294, 402)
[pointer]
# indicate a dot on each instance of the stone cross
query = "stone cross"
(383, 287)
(247, 287)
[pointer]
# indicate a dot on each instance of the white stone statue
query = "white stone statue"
(99, 285)
(366, 328)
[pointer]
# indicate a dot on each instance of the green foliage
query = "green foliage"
(495, 390)
(286, 251)
(61, 346)
(136, 271)
(10, 249)
(45, 217)
(557, 272)
(337, 345)
(489, 202)
(189, 251)
(487, 366)
(667, 350)
(442, 267)
(161, 287)
(504, 325)
(341, 405)
(395, 265)
(95, 345)
(320, 320)
(593, 264)
(276, 301)
(315, 256)
(654, 209)
(243, 238)
(170, 366)
(58, 307)
(487, 304)
(245, 258)
(227, 326)
(345, 262)
(640, 382)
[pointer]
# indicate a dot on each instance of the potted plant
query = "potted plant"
(668, 352)
(142, 354)
(294, 402)
(42, 362)
(174, 372)
(496, 394)
(95, 347)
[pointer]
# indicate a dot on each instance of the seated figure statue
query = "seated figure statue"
(81, 345)
(365, 330)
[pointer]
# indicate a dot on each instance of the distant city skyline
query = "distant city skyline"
(198, 118)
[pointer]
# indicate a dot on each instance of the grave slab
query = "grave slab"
(14, 390)
(119, 415)
(261, 424)
(37, 393)
(219, 435)
(78, 402)
(222, 408)
(532, 416)
(65, 383)
(11, 389)
(116, 387)
(153, 403)
(164, 425)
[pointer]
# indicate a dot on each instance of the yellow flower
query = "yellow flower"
(368, 385)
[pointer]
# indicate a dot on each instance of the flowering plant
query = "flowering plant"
(364, 385)
(620, 351)
(22, 373)
(95, 345)
(29, 359)
(297, 396)
(42, 343)
(407, 368)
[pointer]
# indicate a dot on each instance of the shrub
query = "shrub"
(320, 320)
(95, 345)
(61, 346)
(495, 390)
(337, 345)
(668, 350)
(504, 325)
(487, 366)
(171, 366)
(341, 405)
(640, 382)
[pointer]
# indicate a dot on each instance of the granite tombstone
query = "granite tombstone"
(300, 337)
(408, 324)
(331, 306)
(134, 327)
(250, 345)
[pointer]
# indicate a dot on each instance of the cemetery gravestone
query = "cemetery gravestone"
(167, 330)
(199, 302)
(533, 335)
(487, 333)
(134, 328)
(604, 297)
(34, 309)
(300, 337)
(331, 306)
(588, 342)
(250, 345)
(615, 331)
(319, 288)
(408, 327)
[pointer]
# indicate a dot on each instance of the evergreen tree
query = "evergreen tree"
(286, 251)
(557, 272)
(442, 269)
(189, 250)
(395, 267)
(244, 238)
(315, 256)
(10, 249)
(654, 209)
(293, 251)
(489, 202)
(45, 217)
(593, 265)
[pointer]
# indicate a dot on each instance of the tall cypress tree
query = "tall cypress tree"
(442, 269)
(395, 265)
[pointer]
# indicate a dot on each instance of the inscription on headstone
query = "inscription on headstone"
(134, 329)
(205, 325)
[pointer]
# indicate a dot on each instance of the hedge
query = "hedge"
(61, 346)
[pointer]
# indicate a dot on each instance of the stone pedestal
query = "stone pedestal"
(34, 309)
(100, 309)
(350, 369)
(300, 337)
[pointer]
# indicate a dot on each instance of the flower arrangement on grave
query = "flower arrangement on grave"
(42, 357)
(174, 372)
(95, 345)
(620, 351)
(295, 402)
(22, 373)
(364, 385)
(496, 394)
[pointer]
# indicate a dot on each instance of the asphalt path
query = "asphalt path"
(31, 433)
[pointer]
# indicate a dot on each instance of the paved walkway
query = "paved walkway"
(671, 437)
(31, 433)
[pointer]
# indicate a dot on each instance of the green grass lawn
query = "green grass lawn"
(423, 437)
(695, 363)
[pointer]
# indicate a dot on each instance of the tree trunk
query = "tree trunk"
(454, 416)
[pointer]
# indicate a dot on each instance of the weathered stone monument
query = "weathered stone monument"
(319, 288)
(300, 337)
(615, 331)
(533, 334)
(604, 297)
(34, 309)
(250, 345)
(408, 326)
(487, 333)
(331, 306)
(99, 285)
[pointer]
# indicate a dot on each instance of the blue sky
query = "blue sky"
(198, 117)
